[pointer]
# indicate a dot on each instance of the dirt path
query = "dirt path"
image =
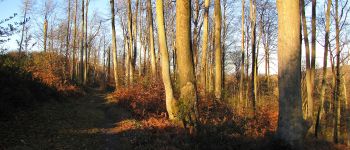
(80, 123)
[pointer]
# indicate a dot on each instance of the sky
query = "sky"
(9, 7)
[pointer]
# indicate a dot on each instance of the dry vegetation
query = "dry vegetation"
(32, 80)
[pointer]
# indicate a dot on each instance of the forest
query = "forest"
(174, 74)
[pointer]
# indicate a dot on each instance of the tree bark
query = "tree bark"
(82, 42)
(320, 110)
(151, 38)
(291, 125)
(313, 45)
(86, 62)
(204, 60)
(218, 52)
(253, 44)
(241, 86)
(188, 94)
(309, 90)
(67, 39)
(336, 102)
(74, 75)
(169, 94)
(114, 47)
(131, 47)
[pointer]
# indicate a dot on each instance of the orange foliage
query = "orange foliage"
(143, 100)
(264, 121)
(49, 69)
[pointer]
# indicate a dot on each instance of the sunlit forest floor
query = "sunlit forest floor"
(38, 111)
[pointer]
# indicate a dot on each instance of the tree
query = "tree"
(82, 35)
(188, 93)
(324, 70)
(68, 37)
(86, 42)
(7, 31)
(131, 43)
(253, 85)
(313, 45)
(27, 4)
(196, 33)
(218, 52)
(336, 103)
(309, 90)
(151, 37)
(241, 86)
(204, 60)
(48, 9)
(74, 72)
(114, 46)
(170, 100)
(291, 126)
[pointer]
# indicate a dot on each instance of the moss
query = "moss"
(187, 105)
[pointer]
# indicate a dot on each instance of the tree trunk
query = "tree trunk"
(82, 42)
(196, 33)
(23, 28)
(241, 82)
(114, 47)
(253, 44)
(86, 63)
(67, 39)
(188, 94)
(313, 45)
(170, 100)
(320, 110)
(204, 64)
(336, 102)
(130, 48)
(309, 90)
(74, 41)
(218, 52)
(151, 38)
(291, 126)
(141, 41)
(45, 33)
(134, 56)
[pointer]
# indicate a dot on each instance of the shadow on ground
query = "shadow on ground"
(91, 123)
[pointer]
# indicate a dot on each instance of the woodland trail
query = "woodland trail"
(88, 122)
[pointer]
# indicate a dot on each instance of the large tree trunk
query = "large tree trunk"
(320, 110)
(291, 125)
(114, 46)
(188, 93)
(151, 38)
(170, 101)
(218, 52)
(204, 60)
